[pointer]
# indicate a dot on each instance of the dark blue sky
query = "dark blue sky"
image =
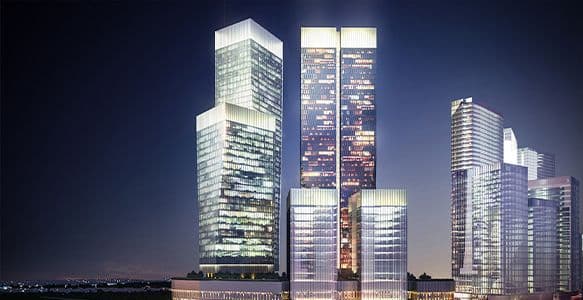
(99, 100)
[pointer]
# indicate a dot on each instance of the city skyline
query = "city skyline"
(397, 135)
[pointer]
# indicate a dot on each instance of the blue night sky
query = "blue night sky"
(99, 100)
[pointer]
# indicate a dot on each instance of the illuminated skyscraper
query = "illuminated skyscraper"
(476, 141)
(313, 219)
(239, 153)
(565, 191)
(338, 116)
(499, 206)
(379, 241)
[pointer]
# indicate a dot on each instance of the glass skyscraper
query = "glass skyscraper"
(565, 191)
(543, 245)
(528, 157)
(239, 153)
(540, 164)
(313, 226)
(338, 116)
(379, 243)
(499, 214)
(476, 141)
(545, 165)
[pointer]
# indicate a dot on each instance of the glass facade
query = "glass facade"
(476, 140)
(500, 229)
(476, 135)
(319, 98)
(545, 165)
(192, 289)
(565, 191)
(338, 115)
(543, 254)
(313, 219)
(379, 224)
(528, 157)
(239, 153)
(235, 177)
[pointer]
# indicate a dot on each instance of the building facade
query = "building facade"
(510, 147)
(431, 289)
(338, 116)
(565, 191)
(476, 141)
(379, 225)
(500, 229)
(543, 245)
(546, 165)
(239, 154)
(540, 164)
(192, 289)
(528, 157)
(313, 243)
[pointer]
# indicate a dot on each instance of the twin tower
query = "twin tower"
(338, 220)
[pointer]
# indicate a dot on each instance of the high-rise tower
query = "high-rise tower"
(239, 153)
(489, 208)
(338, 123)
(565, 191)
(476, 141)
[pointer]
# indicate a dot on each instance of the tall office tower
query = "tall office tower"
(565, 191)
(379, 241)
(239, 153)
(545, 165)
(540, 164)
(543, 245)
(510, 147)
(313, 219)
(338, 118)
(476, 140)
(528, 157)
(500, 229)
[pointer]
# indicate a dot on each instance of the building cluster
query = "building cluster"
(515, 225)
(347, 239)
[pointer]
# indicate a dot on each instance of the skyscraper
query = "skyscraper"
(528, 157)
(338, 122)
(499, 208)
(476, 141)
(546, 165)
(510, 147)
(313, 217)
(239, 153)
(543, 245)
(540, 165)
(565, 191)
(379, 242)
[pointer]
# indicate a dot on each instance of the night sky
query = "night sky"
(99, 100)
